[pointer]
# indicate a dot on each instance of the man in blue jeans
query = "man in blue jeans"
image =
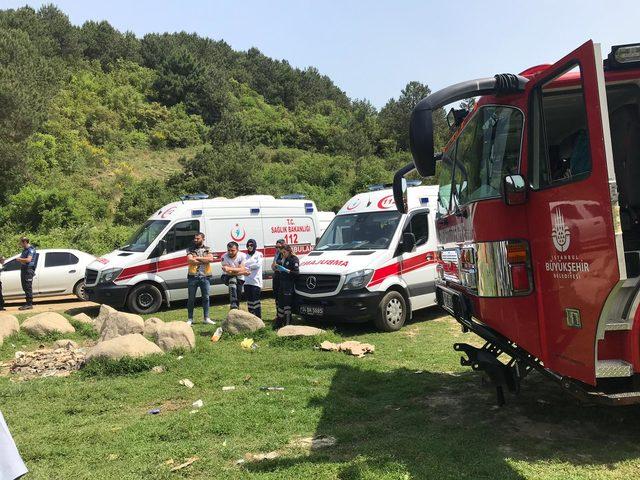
(199, 257)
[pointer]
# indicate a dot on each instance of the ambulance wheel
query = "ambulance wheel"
(144, 298)
(392, 312)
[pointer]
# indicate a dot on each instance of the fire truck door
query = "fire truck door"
(573, 245)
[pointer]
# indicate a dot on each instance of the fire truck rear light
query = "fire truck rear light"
(517, 252)
(520, 278)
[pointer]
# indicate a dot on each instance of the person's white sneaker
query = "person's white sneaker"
(208, 321)
(190, 322)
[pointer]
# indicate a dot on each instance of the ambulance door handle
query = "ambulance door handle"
(430, 257)
(72, 271)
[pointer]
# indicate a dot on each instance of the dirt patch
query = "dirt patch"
(44, 362)
(170, 406)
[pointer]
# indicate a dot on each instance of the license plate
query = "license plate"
(447, 300)
(311, 310)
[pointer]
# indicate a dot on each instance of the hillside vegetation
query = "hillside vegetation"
(98, 128)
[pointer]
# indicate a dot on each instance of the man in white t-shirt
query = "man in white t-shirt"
(11, 465)
(253, 281)
(234, 271)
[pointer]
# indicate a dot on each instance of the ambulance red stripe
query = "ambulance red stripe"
(401, 266)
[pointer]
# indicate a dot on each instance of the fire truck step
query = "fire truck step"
(618, 326)
(613, 369)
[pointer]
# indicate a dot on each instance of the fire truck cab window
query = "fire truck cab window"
(487, 149)
(560, 140)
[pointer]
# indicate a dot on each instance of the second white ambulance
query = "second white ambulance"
(152, 268)
(373, 263)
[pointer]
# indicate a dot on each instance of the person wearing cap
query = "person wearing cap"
(277, 260)
(199, 258)
(288, 272)
(233, 266)
(27, 259)
(253, 281)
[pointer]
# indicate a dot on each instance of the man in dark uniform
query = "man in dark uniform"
(1, 297)
(277, 260)
(27, 271)
(288, 272)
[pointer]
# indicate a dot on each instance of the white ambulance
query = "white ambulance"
(152, 268)
(373, 263)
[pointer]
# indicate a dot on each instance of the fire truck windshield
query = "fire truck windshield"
(487, 149)
(360, 231)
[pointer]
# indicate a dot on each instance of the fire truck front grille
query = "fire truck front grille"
(310, 283)
(90, 277)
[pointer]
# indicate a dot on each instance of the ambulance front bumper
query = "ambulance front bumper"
(349, 307)
(110, 294)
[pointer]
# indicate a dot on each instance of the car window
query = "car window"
(58, 259)
(419, 227)
(180, 237)
(11, 266)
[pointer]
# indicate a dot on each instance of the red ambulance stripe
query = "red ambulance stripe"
(402, 266)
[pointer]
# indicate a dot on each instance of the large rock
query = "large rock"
(151, 326)
(105, 312)
(47, 323)
(299, 330)
(83, 318)
(121, 323)
(239, 321)
(133, 345)
(175, 335)
(8, 325)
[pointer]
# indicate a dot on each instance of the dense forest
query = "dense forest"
(99, 128)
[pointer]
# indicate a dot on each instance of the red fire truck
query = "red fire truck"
(538, 221)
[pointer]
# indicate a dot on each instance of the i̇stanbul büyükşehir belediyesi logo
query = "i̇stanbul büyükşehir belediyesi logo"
(560, 233)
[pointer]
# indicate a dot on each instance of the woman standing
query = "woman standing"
(253, 281)
(277, 260)
(288, 272)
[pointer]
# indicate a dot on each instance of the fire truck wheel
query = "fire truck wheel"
(144, 298)
(392, 312)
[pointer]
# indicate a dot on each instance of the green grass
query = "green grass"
(390, 422)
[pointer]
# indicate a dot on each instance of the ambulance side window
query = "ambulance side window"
(559, 137)
(419, 226)
(181, 236)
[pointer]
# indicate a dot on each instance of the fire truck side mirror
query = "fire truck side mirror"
(400, 187)
(514, 190)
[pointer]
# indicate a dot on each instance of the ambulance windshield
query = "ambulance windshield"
(360, 231)
(145, 236)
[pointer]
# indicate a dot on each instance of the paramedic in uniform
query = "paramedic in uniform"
(288, 272)
(277, 260)
(234, 271)
(27, 259)
(199, 258)
(253, 281)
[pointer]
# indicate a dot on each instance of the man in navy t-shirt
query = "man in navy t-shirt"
(27, 271)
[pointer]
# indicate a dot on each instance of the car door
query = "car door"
(56, 273)
(414, 264)
(573, 244)
(170, 256)
(10, 278)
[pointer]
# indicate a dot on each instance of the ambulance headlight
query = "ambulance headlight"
(108, 276)
(357, 280)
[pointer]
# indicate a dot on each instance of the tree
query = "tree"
(100, 41)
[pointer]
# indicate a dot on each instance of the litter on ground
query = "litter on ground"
(186, 382)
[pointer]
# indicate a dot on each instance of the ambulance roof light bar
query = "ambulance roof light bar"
(383, 186)
(623, 56)
(293, 196)
(194, 196)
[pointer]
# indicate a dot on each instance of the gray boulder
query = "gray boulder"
(8, 325)
(173, 335)
(239, 321)
(151, 326)
(105, 312)
(132, 345)
(83, 318)
(47, 323)
(299, 330)
(121, 323)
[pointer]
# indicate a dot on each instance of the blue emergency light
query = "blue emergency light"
(308, 207)
(196, 213)
(424, 200)
(255, 211)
